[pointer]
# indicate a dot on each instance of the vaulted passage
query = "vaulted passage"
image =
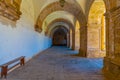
(59, 63)
(91, 28)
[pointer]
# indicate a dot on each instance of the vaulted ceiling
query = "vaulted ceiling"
(47, 11)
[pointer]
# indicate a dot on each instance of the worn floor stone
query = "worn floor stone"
(59, 63)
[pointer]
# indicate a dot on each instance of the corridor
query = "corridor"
(59, 63)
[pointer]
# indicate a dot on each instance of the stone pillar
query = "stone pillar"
(83, 41)
(68, 40)
(112, 60)
(77, 39)
(73, 40)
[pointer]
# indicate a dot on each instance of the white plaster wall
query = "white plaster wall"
(22, 40)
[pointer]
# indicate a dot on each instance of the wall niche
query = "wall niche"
(10, 9)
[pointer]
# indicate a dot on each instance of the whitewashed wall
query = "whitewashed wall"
(22, 40)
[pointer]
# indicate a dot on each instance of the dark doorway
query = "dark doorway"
(59, 38)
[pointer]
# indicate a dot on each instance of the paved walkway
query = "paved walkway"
(59, 63)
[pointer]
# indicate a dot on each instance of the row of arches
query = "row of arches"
(91, 27)
(96, 31)
(90, 33)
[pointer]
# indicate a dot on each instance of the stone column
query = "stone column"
(109, 35)
(112, 59)
(77, 39)
(68, 40)
(83, 41)
(73, 40)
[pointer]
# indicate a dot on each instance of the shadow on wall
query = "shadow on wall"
(20, 41)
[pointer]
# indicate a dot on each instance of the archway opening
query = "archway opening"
(96, 30)
(59, 37)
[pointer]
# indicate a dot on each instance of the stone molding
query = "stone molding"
(72, 9)
(10, 9)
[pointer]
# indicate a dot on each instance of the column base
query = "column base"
(82, 53)
(111, 69)
(73, 48)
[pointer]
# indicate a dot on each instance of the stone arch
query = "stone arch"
(61, 20)
(57, 24)
(71, 28)
(57, 15)
(69, 7)
(83, 30)
(66, 30)
(109, 4)
(96, 30)
(64, 40)
(106, 2)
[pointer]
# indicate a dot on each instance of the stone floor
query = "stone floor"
(59, 63)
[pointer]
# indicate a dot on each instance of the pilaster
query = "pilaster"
(112, 60)
(83, 41)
